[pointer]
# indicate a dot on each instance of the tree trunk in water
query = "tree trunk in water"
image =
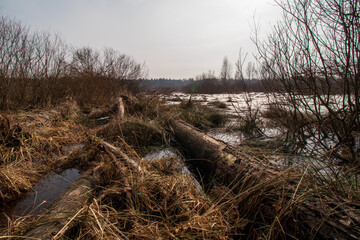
(215, 157)
(61, 215)
(312, 217)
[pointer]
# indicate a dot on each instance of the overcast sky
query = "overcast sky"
(175, 38)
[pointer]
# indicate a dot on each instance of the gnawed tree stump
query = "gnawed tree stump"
(63, 213)
(312, 217)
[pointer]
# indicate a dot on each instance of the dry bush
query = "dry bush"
(37, 72)
(292, 123)
(311, 60)
(249, 119)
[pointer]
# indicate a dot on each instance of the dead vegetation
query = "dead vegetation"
(33, 146)
(160, 201)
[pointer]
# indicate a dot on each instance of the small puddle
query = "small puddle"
(45, 192)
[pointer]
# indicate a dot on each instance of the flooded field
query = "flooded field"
(154, 174)
(231, 104)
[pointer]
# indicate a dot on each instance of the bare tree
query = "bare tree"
(36, 69)
(107, 73)
(239, 74)
(29, 63)
(313, 58)
(251, 70)
(225, 74)
(225, 69)
(86, 61)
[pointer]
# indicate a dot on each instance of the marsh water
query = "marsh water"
(235, 106)
(43, 194)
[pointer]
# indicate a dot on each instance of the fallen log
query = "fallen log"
(61, 216)
(312, 216)
(215, 157)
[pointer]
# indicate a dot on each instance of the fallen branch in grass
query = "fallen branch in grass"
(119, 152)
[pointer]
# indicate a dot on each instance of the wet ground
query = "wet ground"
(232, 104)
(42, 195)
(235, 106)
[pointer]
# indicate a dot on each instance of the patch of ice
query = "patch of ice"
(160, 154)
(231, 138)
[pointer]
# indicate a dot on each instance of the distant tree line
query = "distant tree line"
(38, 69)
(165, 83)
(209, 83)
(215, 86)
(210, 86)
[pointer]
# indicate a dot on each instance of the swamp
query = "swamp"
(149, 173)
(90, 149)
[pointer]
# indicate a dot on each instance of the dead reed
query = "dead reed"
(34, 144)
(162, 202)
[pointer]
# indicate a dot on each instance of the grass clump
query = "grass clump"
(33, 146)
(16, 178)
(202, 117)
(135, 131)
(218, 104)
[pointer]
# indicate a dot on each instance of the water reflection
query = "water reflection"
(45, 192)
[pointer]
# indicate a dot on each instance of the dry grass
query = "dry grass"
(161, 206)
(16, 178)
(161, 202)
(40, 138)
(137, 132)
(202, 117)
